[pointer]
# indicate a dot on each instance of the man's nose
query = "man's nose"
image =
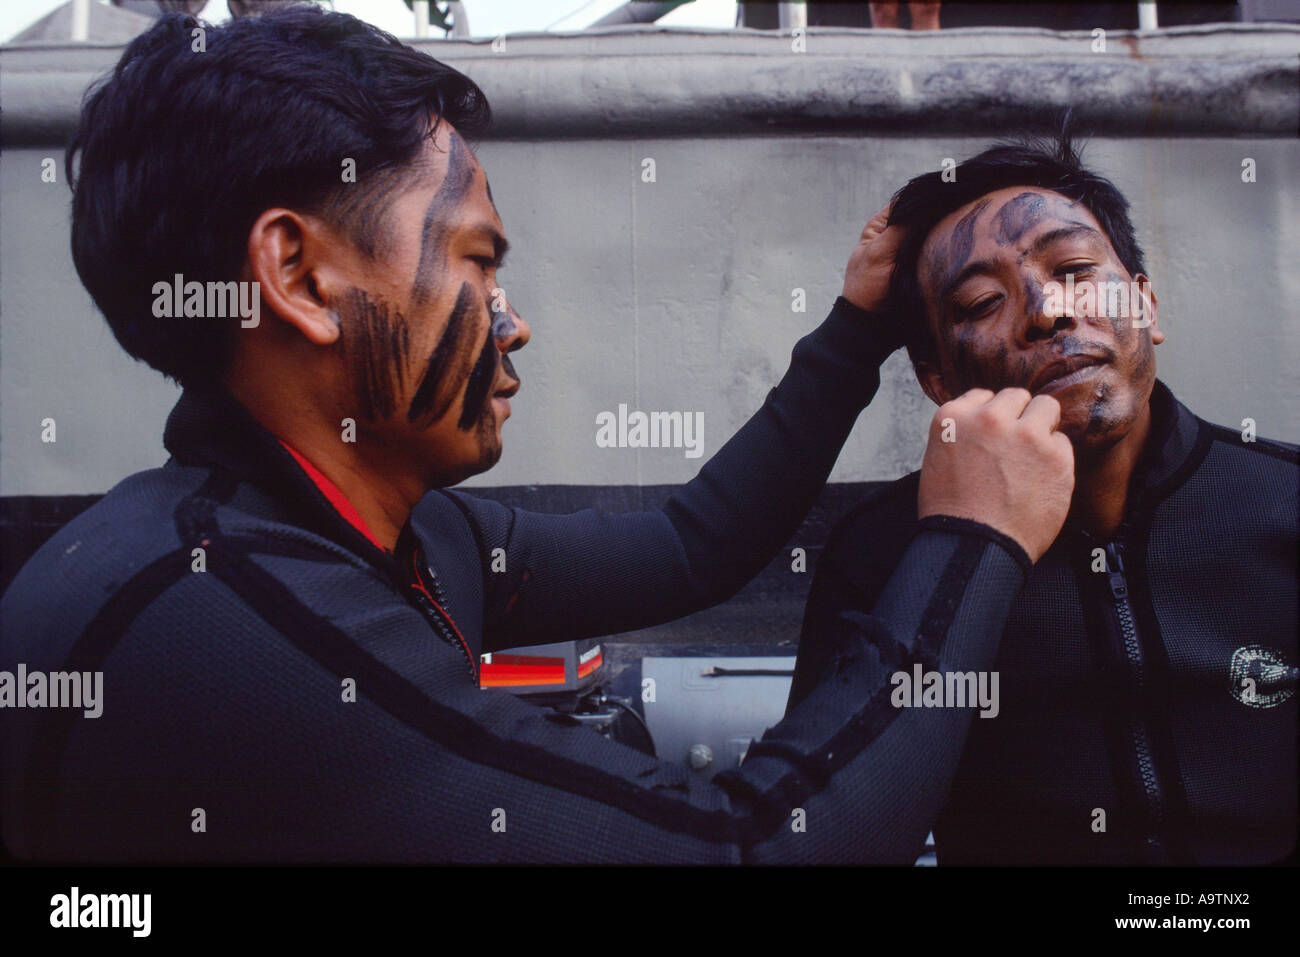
(1048, 315)
(510, 330)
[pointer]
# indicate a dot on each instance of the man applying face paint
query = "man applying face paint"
(322, 700)
(1131, 729)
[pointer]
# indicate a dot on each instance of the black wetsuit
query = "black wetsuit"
(226, 691)
(1122, 671)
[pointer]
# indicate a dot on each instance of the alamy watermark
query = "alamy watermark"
(1123, 300)
(179, 299)
(951, 689)
(652, 430)
(54, 689)
(75, 909)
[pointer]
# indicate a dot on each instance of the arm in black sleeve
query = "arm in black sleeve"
(867, 776)
(938, 610)
(829, 598)
(572, 576)
(396, 757)
(424, 764)
(861, 553)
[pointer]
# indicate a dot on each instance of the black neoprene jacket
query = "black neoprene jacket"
(225, 691)
(1147, 708)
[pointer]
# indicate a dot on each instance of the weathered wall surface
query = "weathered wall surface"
(676, 294)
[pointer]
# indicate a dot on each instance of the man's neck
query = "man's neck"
(373, 505)
(1101, 483)
(382, 497)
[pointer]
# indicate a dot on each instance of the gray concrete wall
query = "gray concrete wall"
(676, 294)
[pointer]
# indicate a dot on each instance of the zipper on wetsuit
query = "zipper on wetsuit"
(1117, 584)
(436, 606)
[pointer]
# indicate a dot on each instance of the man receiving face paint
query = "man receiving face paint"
(1147, 672)
(289, 615)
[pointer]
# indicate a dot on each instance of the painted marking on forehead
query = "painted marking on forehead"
(948, 258)
(1018, 216)
(375, 347)
(963, 236)
(445, 375)
(433, 239)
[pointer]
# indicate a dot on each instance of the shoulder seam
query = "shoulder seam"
(1281, 451)
(475, 530)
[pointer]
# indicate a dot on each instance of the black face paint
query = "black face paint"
(433, 240)
(475, 409)
(1018, 216)
(949, 261)
(445, 374)
(375, 347)
(1146, 359)
(503, 327)
(1034, 301)
(1119, 322)
(364, 209)
(1101, 417)
(1073, 346)
(503, 323)
(961, 347)
(989, 369)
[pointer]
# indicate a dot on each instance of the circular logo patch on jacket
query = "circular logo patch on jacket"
(1259, 677)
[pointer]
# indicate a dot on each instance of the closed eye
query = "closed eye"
(1078, 269)
(977, 308)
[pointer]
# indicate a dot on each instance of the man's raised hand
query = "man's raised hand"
(866, 279)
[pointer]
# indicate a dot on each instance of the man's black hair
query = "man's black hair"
(925, 201)
(180, 151)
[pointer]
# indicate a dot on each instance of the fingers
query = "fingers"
(884, 246)
(1014, 402)
(1010, 402)
(970, 400)
(1000, 459)
(1064, 447)
(875, 226)
(871, 264)
(877, 223)
(1043, 411)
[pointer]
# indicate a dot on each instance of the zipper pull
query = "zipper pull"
(1115, 578)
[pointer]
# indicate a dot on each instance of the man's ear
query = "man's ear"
(1149, 305)
(931, 379)
(290, 257)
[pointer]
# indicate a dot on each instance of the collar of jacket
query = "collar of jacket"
(209, 428)
(1172, 451)
(1168, 455)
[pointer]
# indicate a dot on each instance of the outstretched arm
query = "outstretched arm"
(586, 574)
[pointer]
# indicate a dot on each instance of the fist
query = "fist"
(999, 459)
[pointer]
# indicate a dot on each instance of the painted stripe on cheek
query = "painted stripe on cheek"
(480, 381)
(374, 346)
(445, 372)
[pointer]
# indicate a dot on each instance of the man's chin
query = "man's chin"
(491, 456)
(490, 447)
(1090, 434)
